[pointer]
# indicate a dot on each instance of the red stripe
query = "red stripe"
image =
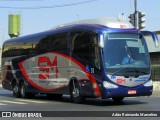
(6, 73)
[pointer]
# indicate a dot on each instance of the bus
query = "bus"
(97, 58)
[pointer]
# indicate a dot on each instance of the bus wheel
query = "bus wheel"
(15, 90)
(24, 93)
(118, 99)
(75, 93)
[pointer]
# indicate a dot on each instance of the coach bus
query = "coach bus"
(98, 58)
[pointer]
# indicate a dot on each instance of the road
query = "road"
(42, 103)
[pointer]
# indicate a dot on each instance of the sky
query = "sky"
(41, 15)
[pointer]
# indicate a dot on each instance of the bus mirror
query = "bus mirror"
(101, 41)
(154, 37)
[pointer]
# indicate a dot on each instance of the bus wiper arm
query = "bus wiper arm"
(119, 71)
(138, 71)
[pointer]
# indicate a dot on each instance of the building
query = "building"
(155, 57)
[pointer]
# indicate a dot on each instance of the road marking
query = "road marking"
(2, 104)
(6, 101)
(32, 101)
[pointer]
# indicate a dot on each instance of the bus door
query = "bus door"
(85, 49)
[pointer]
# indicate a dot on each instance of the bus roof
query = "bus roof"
(105, 21)
(91, 23)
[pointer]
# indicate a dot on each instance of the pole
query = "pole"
(130, 6)
(135, 14)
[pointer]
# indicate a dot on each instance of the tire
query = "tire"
(75, 93)
(15, 89)
(118, 99)
(24, 93)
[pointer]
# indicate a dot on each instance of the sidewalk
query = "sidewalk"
(156, 86)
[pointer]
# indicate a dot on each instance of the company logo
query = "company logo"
(46, 66)
(142, 79)
(123, 26)
(120, 81)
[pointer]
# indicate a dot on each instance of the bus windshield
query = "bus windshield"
(126, 53)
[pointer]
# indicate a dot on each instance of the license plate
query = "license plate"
(131, 92)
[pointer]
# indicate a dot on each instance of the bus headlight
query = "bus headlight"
(148, 83)
(109, 85)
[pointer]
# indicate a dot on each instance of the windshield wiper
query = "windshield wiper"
(118, 71)
(138, 72)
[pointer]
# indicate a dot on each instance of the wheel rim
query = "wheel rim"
(22, 91)
(15, 89)
(75, 92)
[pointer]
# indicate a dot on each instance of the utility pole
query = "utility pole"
(135, 15)
(137, 18)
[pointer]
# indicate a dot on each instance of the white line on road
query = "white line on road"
(2, 104)
(6, 101)
(32, 101)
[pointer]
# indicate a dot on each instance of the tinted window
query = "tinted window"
(52, 43)
(17, 49)
(85, 45)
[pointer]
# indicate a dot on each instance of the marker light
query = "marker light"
(109, 85)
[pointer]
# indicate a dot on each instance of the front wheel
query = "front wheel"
(15, 89)
(75, 93)
(118, 99)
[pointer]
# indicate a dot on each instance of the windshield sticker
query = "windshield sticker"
(132, 44)
(141, 49)
(87, 68)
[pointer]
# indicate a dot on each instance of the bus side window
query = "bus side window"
(85, 45)
(58, 42)
(80, 45)
(51, 43)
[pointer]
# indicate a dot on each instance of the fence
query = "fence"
(155, 72)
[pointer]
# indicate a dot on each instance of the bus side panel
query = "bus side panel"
(49, 73)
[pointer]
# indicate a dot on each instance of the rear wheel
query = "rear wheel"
(118, 99)
(75, 93)
(24, 93)
(15, 89)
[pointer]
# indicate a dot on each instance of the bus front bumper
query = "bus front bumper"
(127, 91)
